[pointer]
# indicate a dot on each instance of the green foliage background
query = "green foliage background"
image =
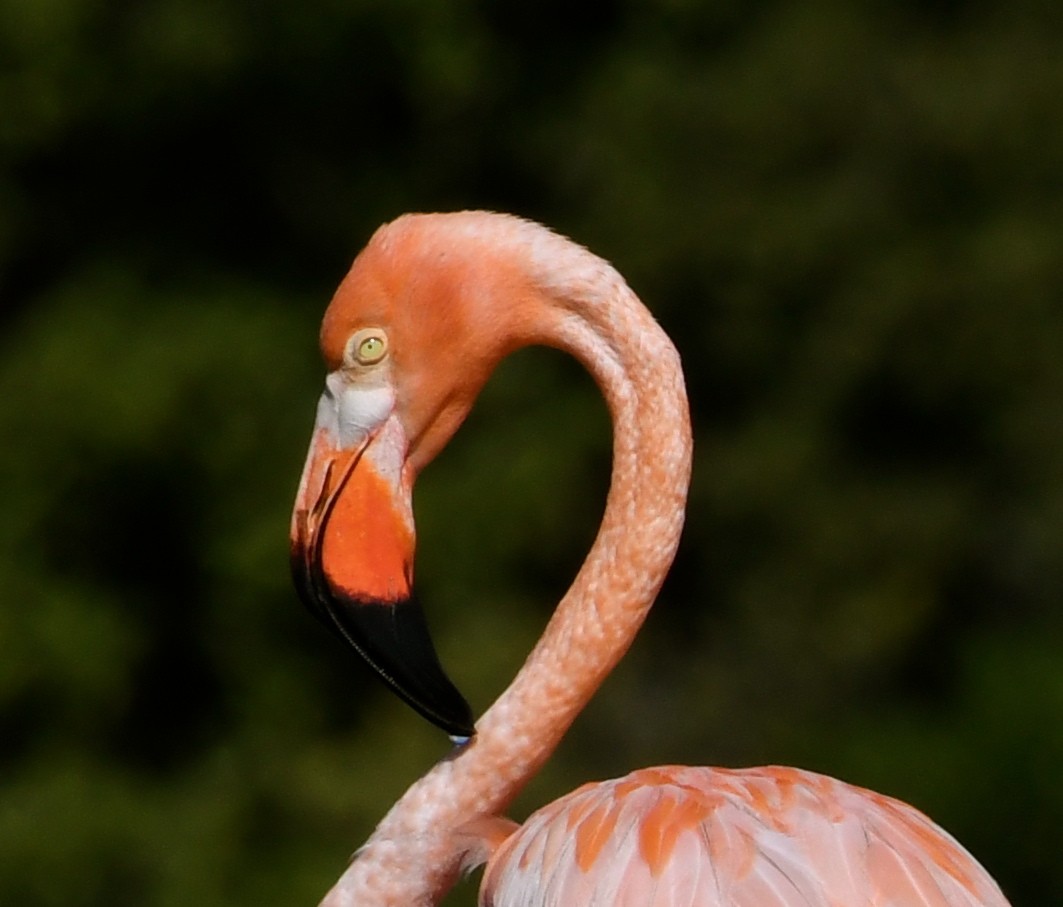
(848, 215)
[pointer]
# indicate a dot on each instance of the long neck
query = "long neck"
(412, 858)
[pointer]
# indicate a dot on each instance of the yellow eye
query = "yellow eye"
(367, 347)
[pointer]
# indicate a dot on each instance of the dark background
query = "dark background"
(848, 215)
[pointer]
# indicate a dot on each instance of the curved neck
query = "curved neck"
(412, 858)
(638, 371)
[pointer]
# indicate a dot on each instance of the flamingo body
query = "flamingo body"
(680, 836)
(426, 312)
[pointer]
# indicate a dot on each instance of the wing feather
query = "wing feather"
(701, 837)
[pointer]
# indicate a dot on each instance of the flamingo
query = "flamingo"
(427, 310)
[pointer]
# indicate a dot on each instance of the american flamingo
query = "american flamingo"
(425, 313)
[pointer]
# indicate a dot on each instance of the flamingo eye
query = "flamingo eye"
(367, 347)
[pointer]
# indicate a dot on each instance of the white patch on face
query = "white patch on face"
(350, 413)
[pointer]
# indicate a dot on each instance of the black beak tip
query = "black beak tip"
(393, 638)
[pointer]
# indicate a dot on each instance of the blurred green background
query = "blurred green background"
(848, 215)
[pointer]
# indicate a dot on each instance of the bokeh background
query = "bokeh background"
(848, 214)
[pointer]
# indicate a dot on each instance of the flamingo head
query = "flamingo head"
(417, 325)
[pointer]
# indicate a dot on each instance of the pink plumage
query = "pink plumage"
(679, 836)
(428, 309)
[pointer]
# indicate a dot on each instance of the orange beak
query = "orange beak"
(352, 544)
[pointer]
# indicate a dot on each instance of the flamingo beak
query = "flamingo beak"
(352, 544)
